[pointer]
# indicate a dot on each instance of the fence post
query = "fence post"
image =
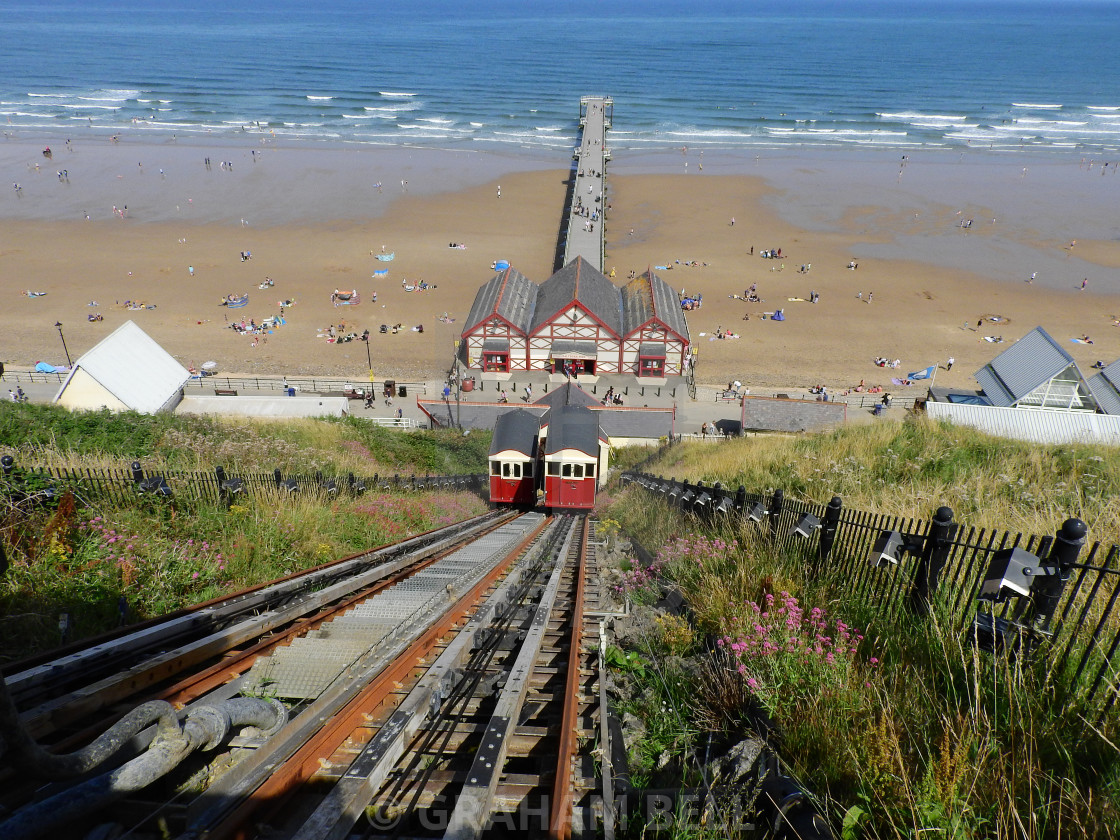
(1046, 589)
(8, 464)
(137, 472)
(278, 477)
(775, 511)
(935, 553)
(828, 527)
(223, 495)
(740, 499)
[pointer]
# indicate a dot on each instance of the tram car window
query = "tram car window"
(513, 451)
(573, 446)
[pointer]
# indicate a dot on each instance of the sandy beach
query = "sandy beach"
(928, 285)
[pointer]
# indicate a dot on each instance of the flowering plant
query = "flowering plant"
(789, 655)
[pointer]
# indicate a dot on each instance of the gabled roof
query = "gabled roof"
(1030, 362)
(647, 423)
(517, 431)
(1105, 388)
(648, 296)
(579, 280)
(567, 394)
(572, 427)
(133, 368)
(508, 294)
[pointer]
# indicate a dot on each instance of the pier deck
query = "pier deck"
(585, 237)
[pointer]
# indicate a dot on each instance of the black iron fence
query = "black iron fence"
(1012, 594)
(124, 485)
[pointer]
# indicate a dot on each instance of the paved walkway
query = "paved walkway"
(585, 215)
(660, 393)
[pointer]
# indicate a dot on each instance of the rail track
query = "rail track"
(443, 686)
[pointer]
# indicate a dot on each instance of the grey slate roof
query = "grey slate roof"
(516, 430)
(648, 423)
(509, 294)
(579, 280)
(471, 415)
(572, 427)
(1031, 361)
(568, 394)
(625, 422)
(648, 296)
(1105, 388)
(570, 348)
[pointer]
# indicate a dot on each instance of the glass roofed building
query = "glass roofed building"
(1036, 372)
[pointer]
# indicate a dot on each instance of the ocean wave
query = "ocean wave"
(1103, 107)
(1033, 121)
(549, 128)
(112, 96)
(49, 95)
(915, 115)
(83, 107)
(1042, 106)
(319, 98)
(393, 109)
(389, 94)
(436, 120)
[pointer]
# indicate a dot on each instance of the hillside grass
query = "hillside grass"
(898, 725)
(910, 468)
(38, 434)
(107, 562)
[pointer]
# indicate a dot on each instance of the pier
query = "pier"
(585, 237)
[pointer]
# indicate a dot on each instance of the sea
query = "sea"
(1004, 77)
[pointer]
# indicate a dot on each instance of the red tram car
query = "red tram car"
(573, 450)
(513, 459)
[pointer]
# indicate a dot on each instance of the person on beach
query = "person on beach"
(949, 364)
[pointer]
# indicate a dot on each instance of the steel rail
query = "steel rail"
(560, 823)
(267, 777)
(59, 711)
(221, 673)
(336, 816)
(474, 805)
(42, 675)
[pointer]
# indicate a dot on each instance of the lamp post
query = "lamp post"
(69, 363)
(458, 389)
(369, 358)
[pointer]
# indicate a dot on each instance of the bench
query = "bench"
(354, 394)
(728, 396)
(225, 392)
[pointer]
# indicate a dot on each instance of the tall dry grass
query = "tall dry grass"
(938, 739)
(911, 467)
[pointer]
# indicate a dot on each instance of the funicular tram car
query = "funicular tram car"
(513, 459)
(574, 451)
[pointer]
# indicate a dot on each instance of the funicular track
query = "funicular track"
(390, 698)
(190, 651)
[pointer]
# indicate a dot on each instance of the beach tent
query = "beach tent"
(501, 265)
(126, 371)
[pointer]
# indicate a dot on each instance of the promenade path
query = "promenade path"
(585, 237)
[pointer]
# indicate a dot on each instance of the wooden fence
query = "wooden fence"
(1042, 598)
(126, 485)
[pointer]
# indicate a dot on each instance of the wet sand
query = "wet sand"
(314, 221)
